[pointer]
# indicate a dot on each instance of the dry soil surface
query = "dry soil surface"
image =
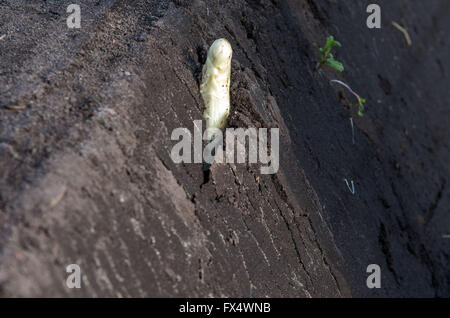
(86, 175)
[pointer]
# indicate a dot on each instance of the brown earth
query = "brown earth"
(86, 175)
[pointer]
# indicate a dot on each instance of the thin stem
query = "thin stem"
(347, 87)
(353, 130)
(352, 189)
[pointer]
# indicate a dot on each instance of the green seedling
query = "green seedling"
(361, 100)
(327, 58)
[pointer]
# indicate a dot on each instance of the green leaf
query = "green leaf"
(331, 42)
(361, 102)
(335, 64)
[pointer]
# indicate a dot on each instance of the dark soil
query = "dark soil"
(86, 175)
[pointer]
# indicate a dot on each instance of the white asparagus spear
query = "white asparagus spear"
(215, 86)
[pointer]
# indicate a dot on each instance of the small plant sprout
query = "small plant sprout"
(352, 189)
(361, 100)
(327, 58)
